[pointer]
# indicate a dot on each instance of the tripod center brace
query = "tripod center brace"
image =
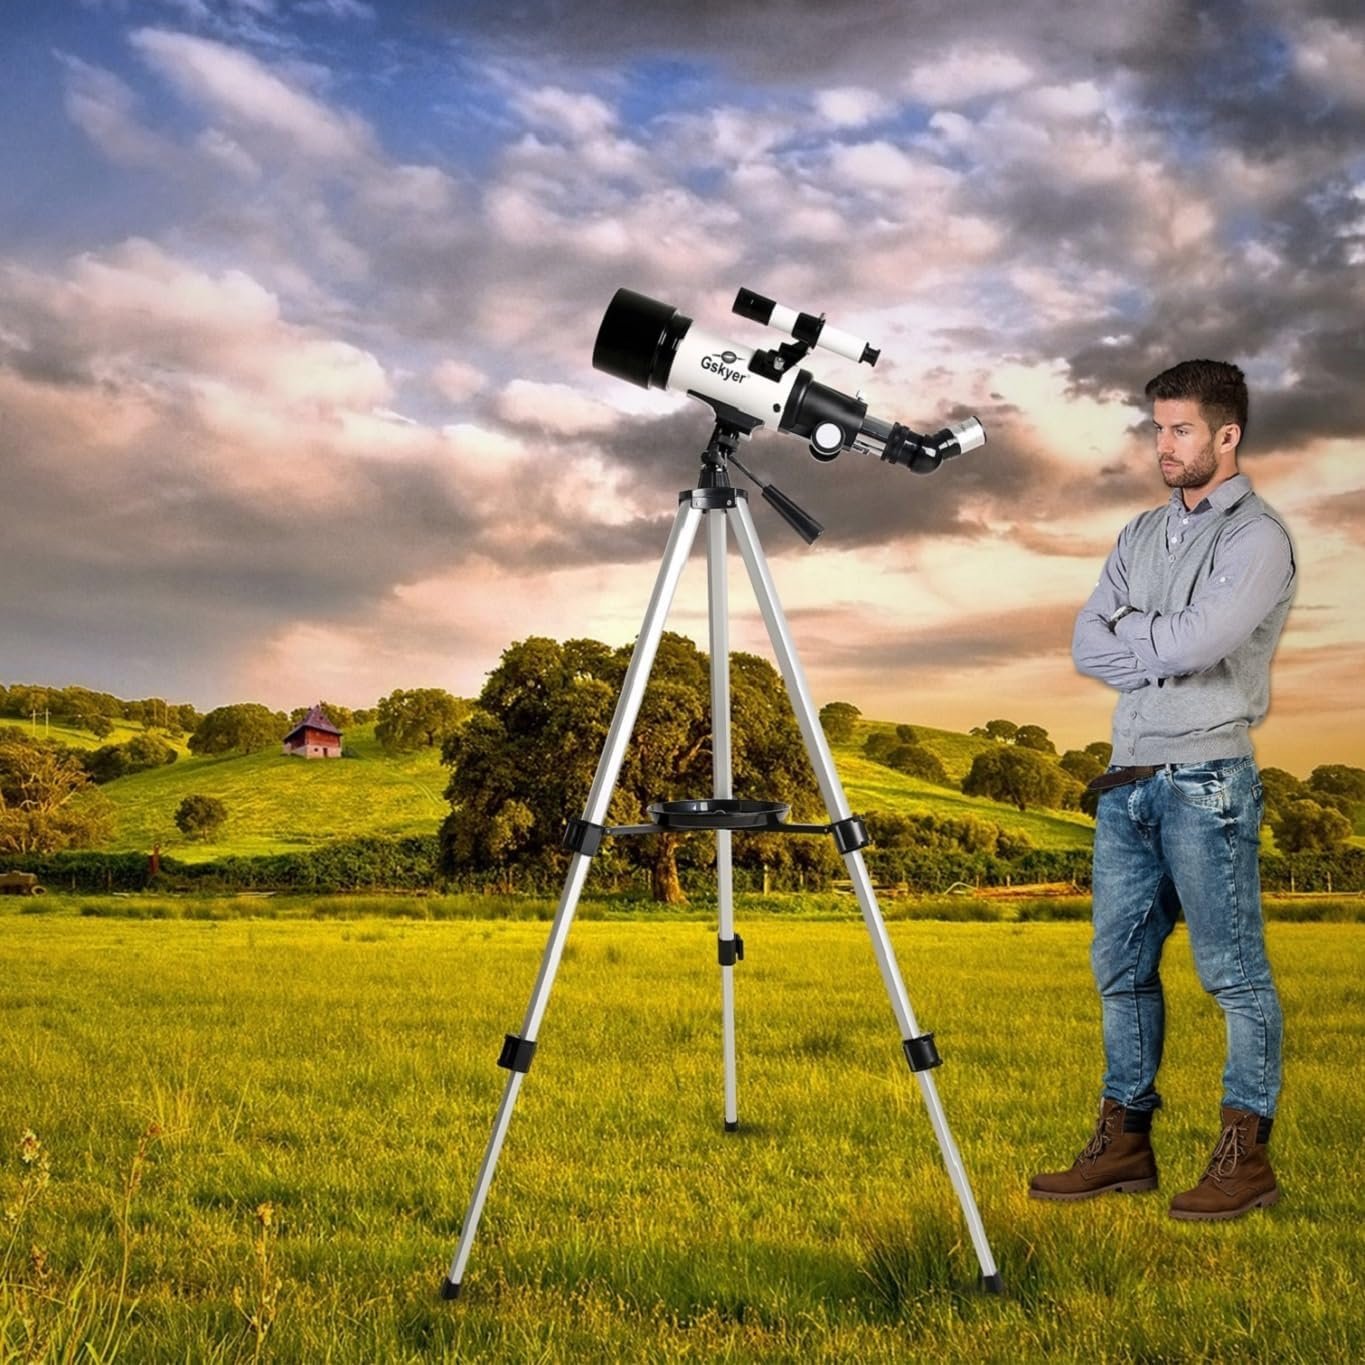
(721, 505)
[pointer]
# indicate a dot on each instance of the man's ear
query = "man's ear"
(1229, 436)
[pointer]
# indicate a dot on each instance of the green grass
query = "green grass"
(76, 738)
(954, 749)
(874, 786)
(276, 803)
(282, 1121)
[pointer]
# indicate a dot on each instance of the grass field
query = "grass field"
(276, 803)
(262, 1134)
(78, 738)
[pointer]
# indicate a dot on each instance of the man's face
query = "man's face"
(1185, 443)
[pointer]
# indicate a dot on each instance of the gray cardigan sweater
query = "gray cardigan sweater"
(1212, 587)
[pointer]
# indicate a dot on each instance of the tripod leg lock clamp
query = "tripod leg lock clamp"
(582, 836)
(517, 1053)
(850, 834)
(731, 950)
(921, 1053)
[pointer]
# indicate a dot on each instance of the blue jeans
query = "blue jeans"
(1186, 838)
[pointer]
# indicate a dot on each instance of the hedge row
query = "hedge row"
(413, 863)
(406, 864)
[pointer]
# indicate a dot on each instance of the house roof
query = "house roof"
(314, 720)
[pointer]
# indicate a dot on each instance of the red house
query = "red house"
(314, 737)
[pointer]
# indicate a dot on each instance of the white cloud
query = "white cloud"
(139, 314)
(238, 87)
(104, 108)
(1332, 57)
(574, 115)
(458, 380)
(964, 73)
(1078, 100)
(851, 106)
(881, 165)
(218, 147)
(554, 407)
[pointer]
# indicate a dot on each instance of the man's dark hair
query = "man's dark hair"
(1219, 388)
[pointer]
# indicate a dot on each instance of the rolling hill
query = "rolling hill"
(276, 804)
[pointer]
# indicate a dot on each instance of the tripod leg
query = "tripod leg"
(730, 947)
(517, 1051)
(919, 1051)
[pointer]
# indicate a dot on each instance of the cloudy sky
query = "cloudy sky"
(297, 303)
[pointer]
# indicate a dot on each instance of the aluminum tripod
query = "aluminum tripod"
(720, 505)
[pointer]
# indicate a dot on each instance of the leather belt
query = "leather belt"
(1121, 777)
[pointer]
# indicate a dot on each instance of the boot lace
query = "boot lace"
(1099, 1140)
(1229, 1151)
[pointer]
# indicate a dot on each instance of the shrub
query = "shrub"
(916, 761)
(200, 816)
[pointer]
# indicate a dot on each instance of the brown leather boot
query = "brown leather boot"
(1112, 1161)
(1238, 1177)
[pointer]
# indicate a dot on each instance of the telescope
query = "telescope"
(652, 345)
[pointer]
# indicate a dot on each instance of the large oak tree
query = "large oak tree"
(524, 761)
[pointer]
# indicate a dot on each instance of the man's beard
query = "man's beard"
(1194, 474)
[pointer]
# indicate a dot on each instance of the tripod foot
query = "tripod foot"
(732, 1125)
(992, 1284)
(450, 1289)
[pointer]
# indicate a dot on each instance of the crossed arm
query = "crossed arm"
(1252, 571)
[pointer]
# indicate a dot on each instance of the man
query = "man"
(1183, 624)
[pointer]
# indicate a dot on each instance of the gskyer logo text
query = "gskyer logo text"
(721, 365)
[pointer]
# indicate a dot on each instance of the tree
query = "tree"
(906, 734)
(100, 726)
(1306, 827)
(424, 717)
(137, 755)
(1023, 778)
(878, 744)
(837, 719)
(200, 817)
(1004, 730)
(531, 746)
(1102, 750)
(1081, 764)
(107, 763)
(917, 761)
(244, 727)
(1034, 737)
(1280, 788)
(146, 751)
(183, 718)
(1336, 784)
(47, 801)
